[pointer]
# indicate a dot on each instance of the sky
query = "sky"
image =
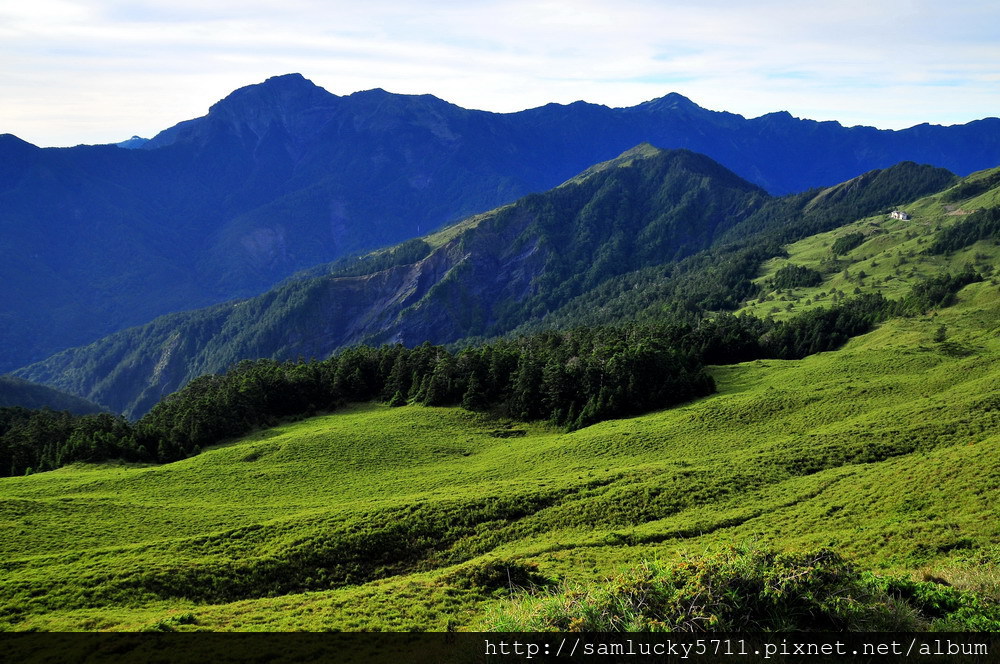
(100, 71)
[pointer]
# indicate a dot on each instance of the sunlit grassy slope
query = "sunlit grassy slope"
(887, 451)
(889, 260)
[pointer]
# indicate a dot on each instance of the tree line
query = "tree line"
(570, 378)
(980, 225)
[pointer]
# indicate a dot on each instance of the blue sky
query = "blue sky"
(93, 71)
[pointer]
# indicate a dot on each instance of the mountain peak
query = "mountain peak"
(676, 97)
(289, 101)
(284, 91)
(133, 143)
(670, 102)
(777, 116)
(641, 151)
(10, 141)
(293, 78)
(680, 158)
(627, 158)
(380, 95)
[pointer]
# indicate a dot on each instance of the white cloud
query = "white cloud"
(92, 70)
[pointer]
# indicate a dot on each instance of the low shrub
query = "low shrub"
(496, 577)
(748, 589)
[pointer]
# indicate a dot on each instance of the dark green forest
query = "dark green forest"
(846, 243)
(980, 225)
(796, 276)
(971, 187)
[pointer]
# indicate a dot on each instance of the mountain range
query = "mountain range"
(635, 219)
(283, 176)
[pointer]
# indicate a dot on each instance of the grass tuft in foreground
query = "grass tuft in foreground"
(750, 589)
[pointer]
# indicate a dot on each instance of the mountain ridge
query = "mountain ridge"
(17, 392)
(282, 176)
(643, 211)
(524, 255)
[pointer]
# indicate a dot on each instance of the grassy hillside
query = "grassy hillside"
(379, 518)
(886, 451)
(891, 257)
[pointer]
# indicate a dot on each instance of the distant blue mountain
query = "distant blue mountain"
(133, 143)
(283, 175)
(16, 391)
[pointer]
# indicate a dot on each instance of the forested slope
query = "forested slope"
(651, 229)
